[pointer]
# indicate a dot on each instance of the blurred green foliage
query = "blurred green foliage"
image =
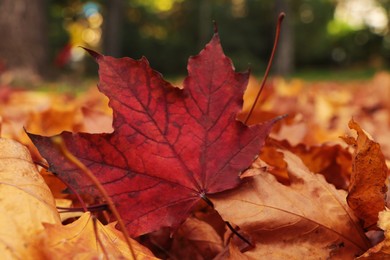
(167, 32)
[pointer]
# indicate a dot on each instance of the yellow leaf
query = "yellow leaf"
(25, 199)
(80, 240)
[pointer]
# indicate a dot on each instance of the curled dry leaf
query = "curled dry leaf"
(80, 240)
(366, 196)
(307, 219)
(26, 202)
(332, 161)
(273, 158)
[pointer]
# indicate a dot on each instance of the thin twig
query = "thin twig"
(278, 26)
(99, 207)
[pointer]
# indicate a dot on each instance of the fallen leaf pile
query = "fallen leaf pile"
(306, 178)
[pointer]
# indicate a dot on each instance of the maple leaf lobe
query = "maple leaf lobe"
(170, 146)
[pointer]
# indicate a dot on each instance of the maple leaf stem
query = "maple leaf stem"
(208, 201)
(57, 140)
(234, 231)
(93, 208)
(276, 40)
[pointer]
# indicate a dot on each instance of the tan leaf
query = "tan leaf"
(25, 200)
(307, 219)
(367, 190)
(78, 240)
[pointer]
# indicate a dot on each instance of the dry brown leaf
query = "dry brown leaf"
(26, 202)
(197, 239)
(306, 220)
(274, 160)
(332, 161)
(78, 241)
(366, 196)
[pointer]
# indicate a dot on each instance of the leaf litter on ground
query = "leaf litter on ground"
(318, 114)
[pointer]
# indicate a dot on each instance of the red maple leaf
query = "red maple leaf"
(170, 146)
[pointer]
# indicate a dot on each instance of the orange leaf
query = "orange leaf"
(305, 220)
(366, 196)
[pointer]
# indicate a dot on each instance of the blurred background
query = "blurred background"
(40, 39)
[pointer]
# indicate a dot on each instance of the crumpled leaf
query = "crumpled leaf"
(366, 195)
(309, 219)
(332, 161)
(78, 240)
(182, 143)
(273, 160)
(26, 202)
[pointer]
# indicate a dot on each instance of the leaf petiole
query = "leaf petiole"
(277, 34)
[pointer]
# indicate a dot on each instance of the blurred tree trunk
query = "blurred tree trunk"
(112, 27)
(284, 60)
(24, 37)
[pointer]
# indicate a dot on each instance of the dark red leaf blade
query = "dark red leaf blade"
(170, 146)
